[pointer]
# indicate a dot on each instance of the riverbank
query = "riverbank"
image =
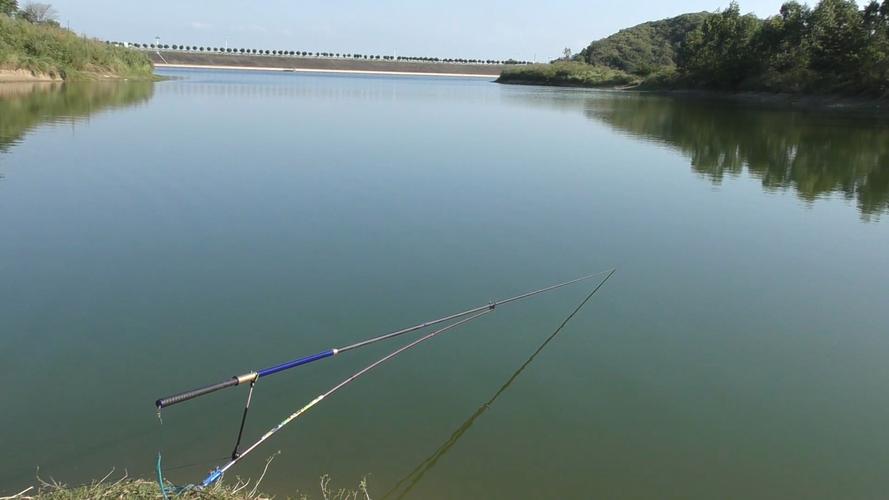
(142, 489)
(47, 52)
(580, 75)
(567, 74)
(869, 105)
(178, 59)
(137, 489)
(25, 76)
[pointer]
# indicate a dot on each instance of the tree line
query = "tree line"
(33, 12)
(298, 53)
(835, 47)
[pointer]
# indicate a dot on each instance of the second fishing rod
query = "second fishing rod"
(252, 377)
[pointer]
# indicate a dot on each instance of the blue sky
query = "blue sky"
(456, 28)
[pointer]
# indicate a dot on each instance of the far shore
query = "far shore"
(282, 63)
(312, 70)
(867, 105)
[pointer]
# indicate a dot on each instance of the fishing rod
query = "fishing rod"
(217, 473)
(236, 455)
(252, 377)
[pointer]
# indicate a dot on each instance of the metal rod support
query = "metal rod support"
(235, 452)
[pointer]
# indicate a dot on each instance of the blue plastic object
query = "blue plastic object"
(212, 478)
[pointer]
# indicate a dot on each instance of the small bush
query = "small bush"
(567, 73)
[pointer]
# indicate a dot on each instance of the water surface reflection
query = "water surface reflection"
(26, 105)
(817, 154)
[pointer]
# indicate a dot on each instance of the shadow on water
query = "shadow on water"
(815, 153)
(28, 105)
(406, 484)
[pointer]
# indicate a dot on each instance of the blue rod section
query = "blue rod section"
(296, 362)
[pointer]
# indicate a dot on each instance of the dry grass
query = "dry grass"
(140, 489)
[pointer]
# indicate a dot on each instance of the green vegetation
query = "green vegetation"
(643, 49)
(567, 73)
(43, 48)
(132, 489)
(9, 7)
(140, 489)
(834, 48)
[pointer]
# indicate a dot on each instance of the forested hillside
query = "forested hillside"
(834, 48)
(645, 48)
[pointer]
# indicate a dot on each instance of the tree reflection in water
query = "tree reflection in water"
(816, 154)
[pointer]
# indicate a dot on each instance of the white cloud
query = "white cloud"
(251, 28)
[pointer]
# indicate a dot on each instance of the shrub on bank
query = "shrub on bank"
(568, 73)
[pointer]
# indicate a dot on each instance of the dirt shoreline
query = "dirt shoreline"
(24, 76)
(867, 105)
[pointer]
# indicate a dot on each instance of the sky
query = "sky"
(484, 29)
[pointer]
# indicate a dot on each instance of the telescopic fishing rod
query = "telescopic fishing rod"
(466, 316)
(252, 377)
(218, 472)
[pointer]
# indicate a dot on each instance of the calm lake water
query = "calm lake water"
(157, 237)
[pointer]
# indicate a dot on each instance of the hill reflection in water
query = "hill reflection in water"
(817, 154)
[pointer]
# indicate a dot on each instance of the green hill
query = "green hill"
(48, 50)
(645, 48)
(833, 48)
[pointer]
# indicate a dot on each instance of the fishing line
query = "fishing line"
(414, 477)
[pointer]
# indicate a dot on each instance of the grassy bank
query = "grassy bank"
(131, 489)
(140, 489)
(47, 50)
(567, 74)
